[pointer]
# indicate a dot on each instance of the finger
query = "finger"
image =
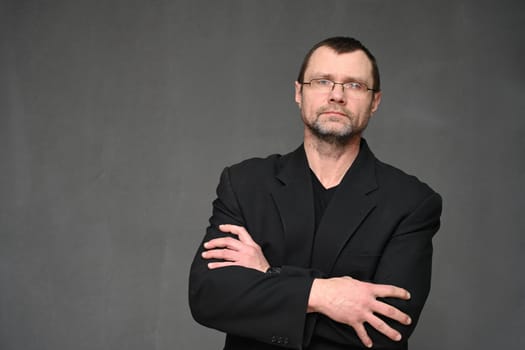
(363, 335)
(388, 291)
(222, 254)
(230, 228)
(391, 312)
(240, 231)
(384, 328)
(224, 242)
(245, 237)
(219, 264)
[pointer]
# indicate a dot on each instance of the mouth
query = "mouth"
(336, 113)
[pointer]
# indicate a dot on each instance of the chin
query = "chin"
(333, 136)
(335, 131)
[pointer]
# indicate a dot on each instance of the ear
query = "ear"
(298, 93)
(376, 100)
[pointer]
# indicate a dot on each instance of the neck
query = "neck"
(329, 161)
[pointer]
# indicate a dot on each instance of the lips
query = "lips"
(336, 113)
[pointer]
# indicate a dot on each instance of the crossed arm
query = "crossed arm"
(230, 292)
(342, 299)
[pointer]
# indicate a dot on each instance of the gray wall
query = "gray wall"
(116, 118)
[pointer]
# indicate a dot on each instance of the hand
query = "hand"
(235, 252)
(347, 300)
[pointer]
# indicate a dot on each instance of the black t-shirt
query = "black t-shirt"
(322, 197)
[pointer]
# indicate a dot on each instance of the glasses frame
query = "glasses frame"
(334, 83)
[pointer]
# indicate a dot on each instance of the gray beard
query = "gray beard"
(333, 138)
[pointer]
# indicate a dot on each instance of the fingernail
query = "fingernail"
(203, 254)
(398, 337)
(205, 244)
(409, 321)
(408, 295)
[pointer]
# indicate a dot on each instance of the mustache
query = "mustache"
(342, 110)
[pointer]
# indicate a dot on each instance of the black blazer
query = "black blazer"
(378, 227)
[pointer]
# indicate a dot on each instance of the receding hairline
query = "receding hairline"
(341, 45)
(321, 74)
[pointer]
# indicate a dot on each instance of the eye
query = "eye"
(352, 85)
(322, 82)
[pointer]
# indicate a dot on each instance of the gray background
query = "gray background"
(116, 118)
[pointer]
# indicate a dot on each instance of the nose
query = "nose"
(337, 95)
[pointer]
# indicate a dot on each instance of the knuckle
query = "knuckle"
(391, 312)
(217, 242)
(382, 327)
(226, 254)
(379, 325)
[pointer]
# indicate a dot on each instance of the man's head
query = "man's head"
(342, 44)
(337, 90)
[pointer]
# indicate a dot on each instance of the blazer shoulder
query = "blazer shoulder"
(254, 171)
(269, 166)
(255, 165)
(398, 183)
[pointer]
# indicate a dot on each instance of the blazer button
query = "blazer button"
(274, 339)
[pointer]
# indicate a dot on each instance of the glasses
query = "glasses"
(352, 89)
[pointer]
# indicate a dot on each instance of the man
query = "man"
(325, 247)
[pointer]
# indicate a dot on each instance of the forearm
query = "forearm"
(348, 302)
(406, 262)
(251, 304)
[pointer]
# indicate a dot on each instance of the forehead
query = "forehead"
(325, 62)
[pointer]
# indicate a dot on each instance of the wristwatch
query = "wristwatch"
(273, 271)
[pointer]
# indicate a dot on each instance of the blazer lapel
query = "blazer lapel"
(294, 200)
(348, 208)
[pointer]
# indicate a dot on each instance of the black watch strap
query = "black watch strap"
(273, 271)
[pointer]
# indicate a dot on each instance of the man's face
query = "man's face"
(332, 116)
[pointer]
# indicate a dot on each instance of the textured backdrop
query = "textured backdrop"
(116, 118)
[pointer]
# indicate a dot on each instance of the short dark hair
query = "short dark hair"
(341, 44)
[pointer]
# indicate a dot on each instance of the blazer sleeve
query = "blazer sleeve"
(242, 301)
(406, 262)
